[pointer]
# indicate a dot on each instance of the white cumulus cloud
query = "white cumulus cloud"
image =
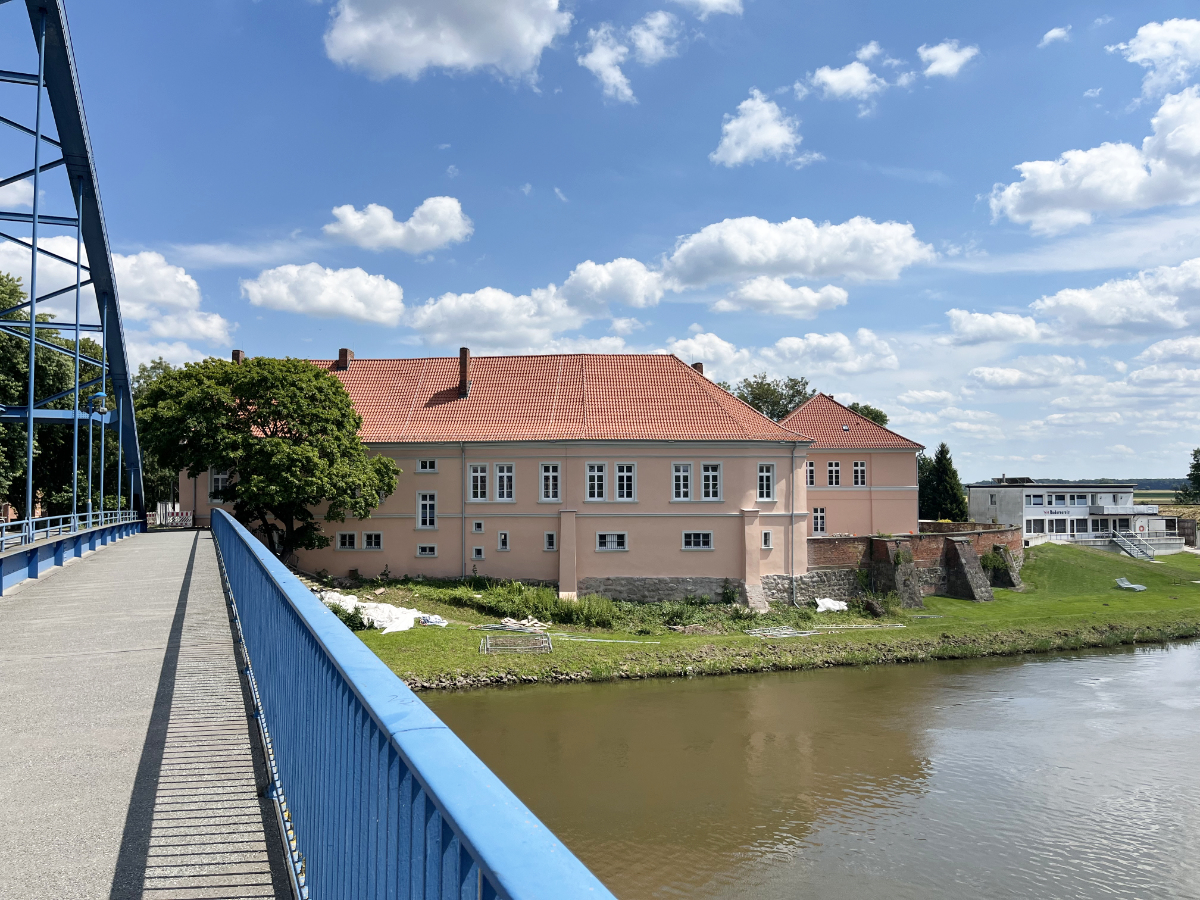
(438, 221)
(945, 59)
(1186, 348)
(936, 398)
(758, 130)
(1169, 50)
(1054, 196)
(654, 37)
(592, 286)
(853, 80)
(604, 59)
(774, 295)
(327, 293)
(1055, 34)
(835, 353)
(1030, 372)
(384, 38)
(497, 320)
(980, 328)
(744, 248)
(19, 193)
(706, 8)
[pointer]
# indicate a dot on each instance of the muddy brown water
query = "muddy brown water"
(1072, 776)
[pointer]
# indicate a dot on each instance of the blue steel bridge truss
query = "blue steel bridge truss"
(48, 110)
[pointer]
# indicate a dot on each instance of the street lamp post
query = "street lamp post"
(92, 410)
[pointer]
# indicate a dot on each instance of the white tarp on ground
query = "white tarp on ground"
(825, 604)
(384, 615)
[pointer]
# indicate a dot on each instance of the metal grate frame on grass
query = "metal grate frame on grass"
(516, 643)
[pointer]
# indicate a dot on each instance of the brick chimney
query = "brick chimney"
(344, 357)
(699, 367)
(239, 356)
(464, 371)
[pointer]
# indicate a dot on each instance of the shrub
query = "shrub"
(730, 592)
(352, 619)
(993, 561)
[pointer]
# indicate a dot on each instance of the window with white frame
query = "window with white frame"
(818, 520)
(477, 527)
(476, 553)
(372, 540)
(860, 474)
(550, 540)
(1033, 499)
(346, 540)
(502, 540)
(596, 473)
(626, 481)
(682, 484)
(426, 465)
(479, 482)
(710, 481)
(1059, 499)
(549, 481)
(426, 549)
(834, 471)
(812, 474)
(504, 481)
(217, 481)
(697, 540)
(766, 481)
(1035, 526)
(1079, 500)
(610, 540)
(766, 540)
(427, 509)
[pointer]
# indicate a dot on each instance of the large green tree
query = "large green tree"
(874, 413)
(940, 492)
(159, 482)
(286, 432)
(774, 398)
(1189, 492)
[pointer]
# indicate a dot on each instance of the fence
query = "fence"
(31, 548)
(378, 797)
(28, 531)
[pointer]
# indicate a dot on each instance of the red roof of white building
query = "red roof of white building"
(546, 398)
(835, 427)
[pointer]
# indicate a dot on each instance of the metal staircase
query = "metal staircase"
(1133, 545)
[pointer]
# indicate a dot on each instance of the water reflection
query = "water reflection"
(1051, 777)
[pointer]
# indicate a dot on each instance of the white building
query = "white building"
(1098, 515)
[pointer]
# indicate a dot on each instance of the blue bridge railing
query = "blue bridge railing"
(377, 797)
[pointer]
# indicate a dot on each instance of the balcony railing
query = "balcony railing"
(376, 796)
(28, 531)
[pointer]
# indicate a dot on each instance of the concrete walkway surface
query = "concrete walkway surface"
(129, 766)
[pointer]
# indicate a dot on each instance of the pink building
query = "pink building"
(861, 478)
(633, 476)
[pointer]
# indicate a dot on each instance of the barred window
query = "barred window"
(426, 549)
(610, 540)
(697, 540)
(372, 540)
(345, 540)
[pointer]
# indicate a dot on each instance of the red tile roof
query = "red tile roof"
(538, 398)
(835, 427)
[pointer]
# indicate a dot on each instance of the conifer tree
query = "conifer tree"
(1189, 492)
(940, 492)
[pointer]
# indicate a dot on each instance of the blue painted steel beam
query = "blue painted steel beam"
(18, 77)
(42, 250)
(29, 174)
(69, 391)
(10, 216)
(20, 332)
(18, 414)
(20, 127)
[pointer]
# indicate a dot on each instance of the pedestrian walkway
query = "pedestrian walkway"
(128, 763)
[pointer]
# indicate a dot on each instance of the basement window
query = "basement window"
(476, 553)
(611, 540)
(372, 540)
(697, 540)
(426, 549)
(345, 540)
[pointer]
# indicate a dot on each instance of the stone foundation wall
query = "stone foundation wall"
(836, 584)
(657, 590)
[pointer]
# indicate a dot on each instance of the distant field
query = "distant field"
(1153, 496)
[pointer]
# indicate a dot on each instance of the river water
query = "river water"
(1068, 776)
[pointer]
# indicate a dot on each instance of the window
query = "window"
(766, 481)
(697, 540)
(991, 499)
(1121, 524)
(835, 473)
(372, 540)
(610, 540)
(860, 474)
(1035, 526)
(1060, 526)
(426, 549)
(345, 540)
(426, 465)
(1099, 524)
(504, 481)
(1033, 499)
(1079, 526)
(595, 481)
(549, 481)
(626, 484)
(217, 481)
(502, 540)
(682, 488)
(1060, 499)
(812, 474)
(426, 509)
(479, 482)
(818, 520)
(1079, 500)
(477, 527)
(710, 481)
(476, 553)
(550, 541)
(766, 540)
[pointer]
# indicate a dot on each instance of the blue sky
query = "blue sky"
(817, 189)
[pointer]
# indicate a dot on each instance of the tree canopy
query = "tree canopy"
(286, 432)
(158, 481)
(1189, 492)
(940, 493)
(874, 413)
(773, 398)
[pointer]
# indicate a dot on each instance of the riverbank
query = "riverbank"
(1071, 602)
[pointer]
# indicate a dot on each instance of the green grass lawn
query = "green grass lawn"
(1071, 601)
